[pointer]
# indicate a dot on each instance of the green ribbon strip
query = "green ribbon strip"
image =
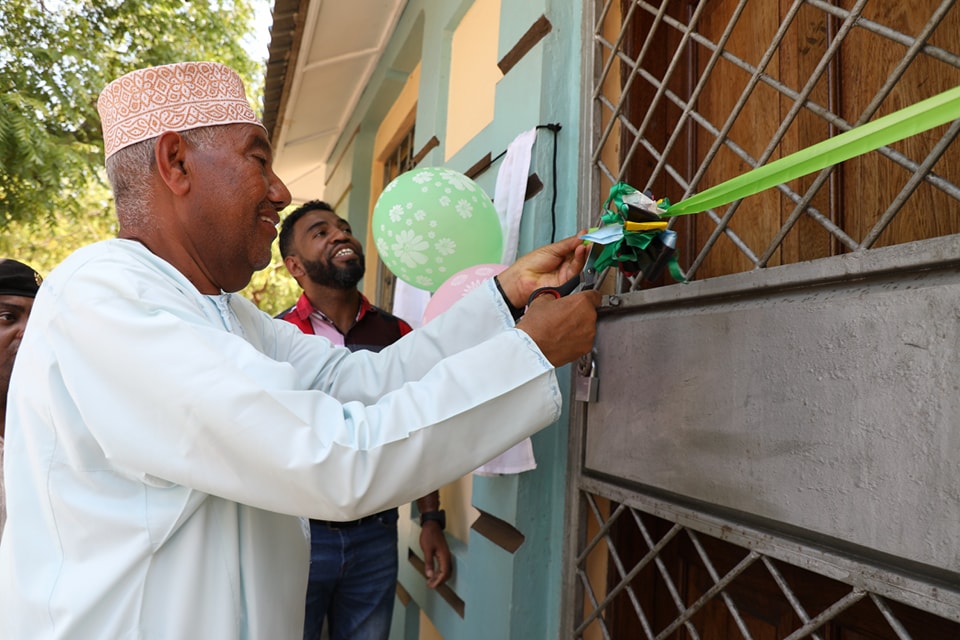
(615, 197)
(917, 118)
(630, 250)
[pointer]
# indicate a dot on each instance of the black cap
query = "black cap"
(17, 279)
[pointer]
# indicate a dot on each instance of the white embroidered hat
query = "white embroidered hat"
(176, 97)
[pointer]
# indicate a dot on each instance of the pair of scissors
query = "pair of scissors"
(586, 279)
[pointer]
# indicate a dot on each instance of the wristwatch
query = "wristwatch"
(439, 516)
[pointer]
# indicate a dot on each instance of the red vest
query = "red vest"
(373, 330)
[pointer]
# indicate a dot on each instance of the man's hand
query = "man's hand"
(563, 328)
(436, 554)
(548, 266)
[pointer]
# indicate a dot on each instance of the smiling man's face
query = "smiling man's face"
(232, 212)
(331, 256)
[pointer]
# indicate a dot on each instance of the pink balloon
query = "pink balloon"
(458, 285)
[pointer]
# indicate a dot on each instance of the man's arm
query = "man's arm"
(199, 396)
(436, 553)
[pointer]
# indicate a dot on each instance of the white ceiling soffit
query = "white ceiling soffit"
(342, 42)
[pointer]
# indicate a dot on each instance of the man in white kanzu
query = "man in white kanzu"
(166, 439)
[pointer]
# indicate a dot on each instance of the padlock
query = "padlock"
(585, 387)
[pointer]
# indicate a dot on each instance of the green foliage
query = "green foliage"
(55, 62)
(55, 58)
(273, 289)
(44, 242)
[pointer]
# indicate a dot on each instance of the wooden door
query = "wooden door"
(750, 113)
(754, 595)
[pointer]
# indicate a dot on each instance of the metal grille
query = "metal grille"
(684, 95)
(689, 94)
(399, 160)
(698, 576)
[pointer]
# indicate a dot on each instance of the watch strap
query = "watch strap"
(439, 516)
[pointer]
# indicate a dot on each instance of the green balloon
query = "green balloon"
(433, 222)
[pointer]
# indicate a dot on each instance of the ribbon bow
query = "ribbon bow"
(634, 236)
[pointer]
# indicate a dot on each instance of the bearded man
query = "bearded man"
(353, 564)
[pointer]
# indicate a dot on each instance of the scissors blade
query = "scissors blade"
(589, 277)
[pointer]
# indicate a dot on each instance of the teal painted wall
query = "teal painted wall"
(506, 595)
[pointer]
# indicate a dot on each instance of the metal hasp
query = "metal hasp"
(586, 383)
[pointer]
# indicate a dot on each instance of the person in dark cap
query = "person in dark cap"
(18, 287)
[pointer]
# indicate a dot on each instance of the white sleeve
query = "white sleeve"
(283, 421)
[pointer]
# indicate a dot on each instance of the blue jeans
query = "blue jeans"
(353, 577)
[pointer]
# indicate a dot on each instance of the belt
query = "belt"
(329, 524)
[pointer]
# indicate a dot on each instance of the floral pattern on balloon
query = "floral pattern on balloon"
(432, 222)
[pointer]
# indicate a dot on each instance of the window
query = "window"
(398, 160)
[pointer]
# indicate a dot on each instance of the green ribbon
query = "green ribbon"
(917, 118)
(627, 249)
(631, 248)
(615, 197)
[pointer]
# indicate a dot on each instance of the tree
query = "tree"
(55, 57)
(43, 243)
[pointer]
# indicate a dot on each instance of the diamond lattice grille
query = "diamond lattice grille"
(643, 576)
(689, 94)
(682, 95)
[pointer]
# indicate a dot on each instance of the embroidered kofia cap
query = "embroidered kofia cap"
(17, 279)
(175, 97)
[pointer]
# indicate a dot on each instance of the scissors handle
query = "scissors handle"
(557, 292)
